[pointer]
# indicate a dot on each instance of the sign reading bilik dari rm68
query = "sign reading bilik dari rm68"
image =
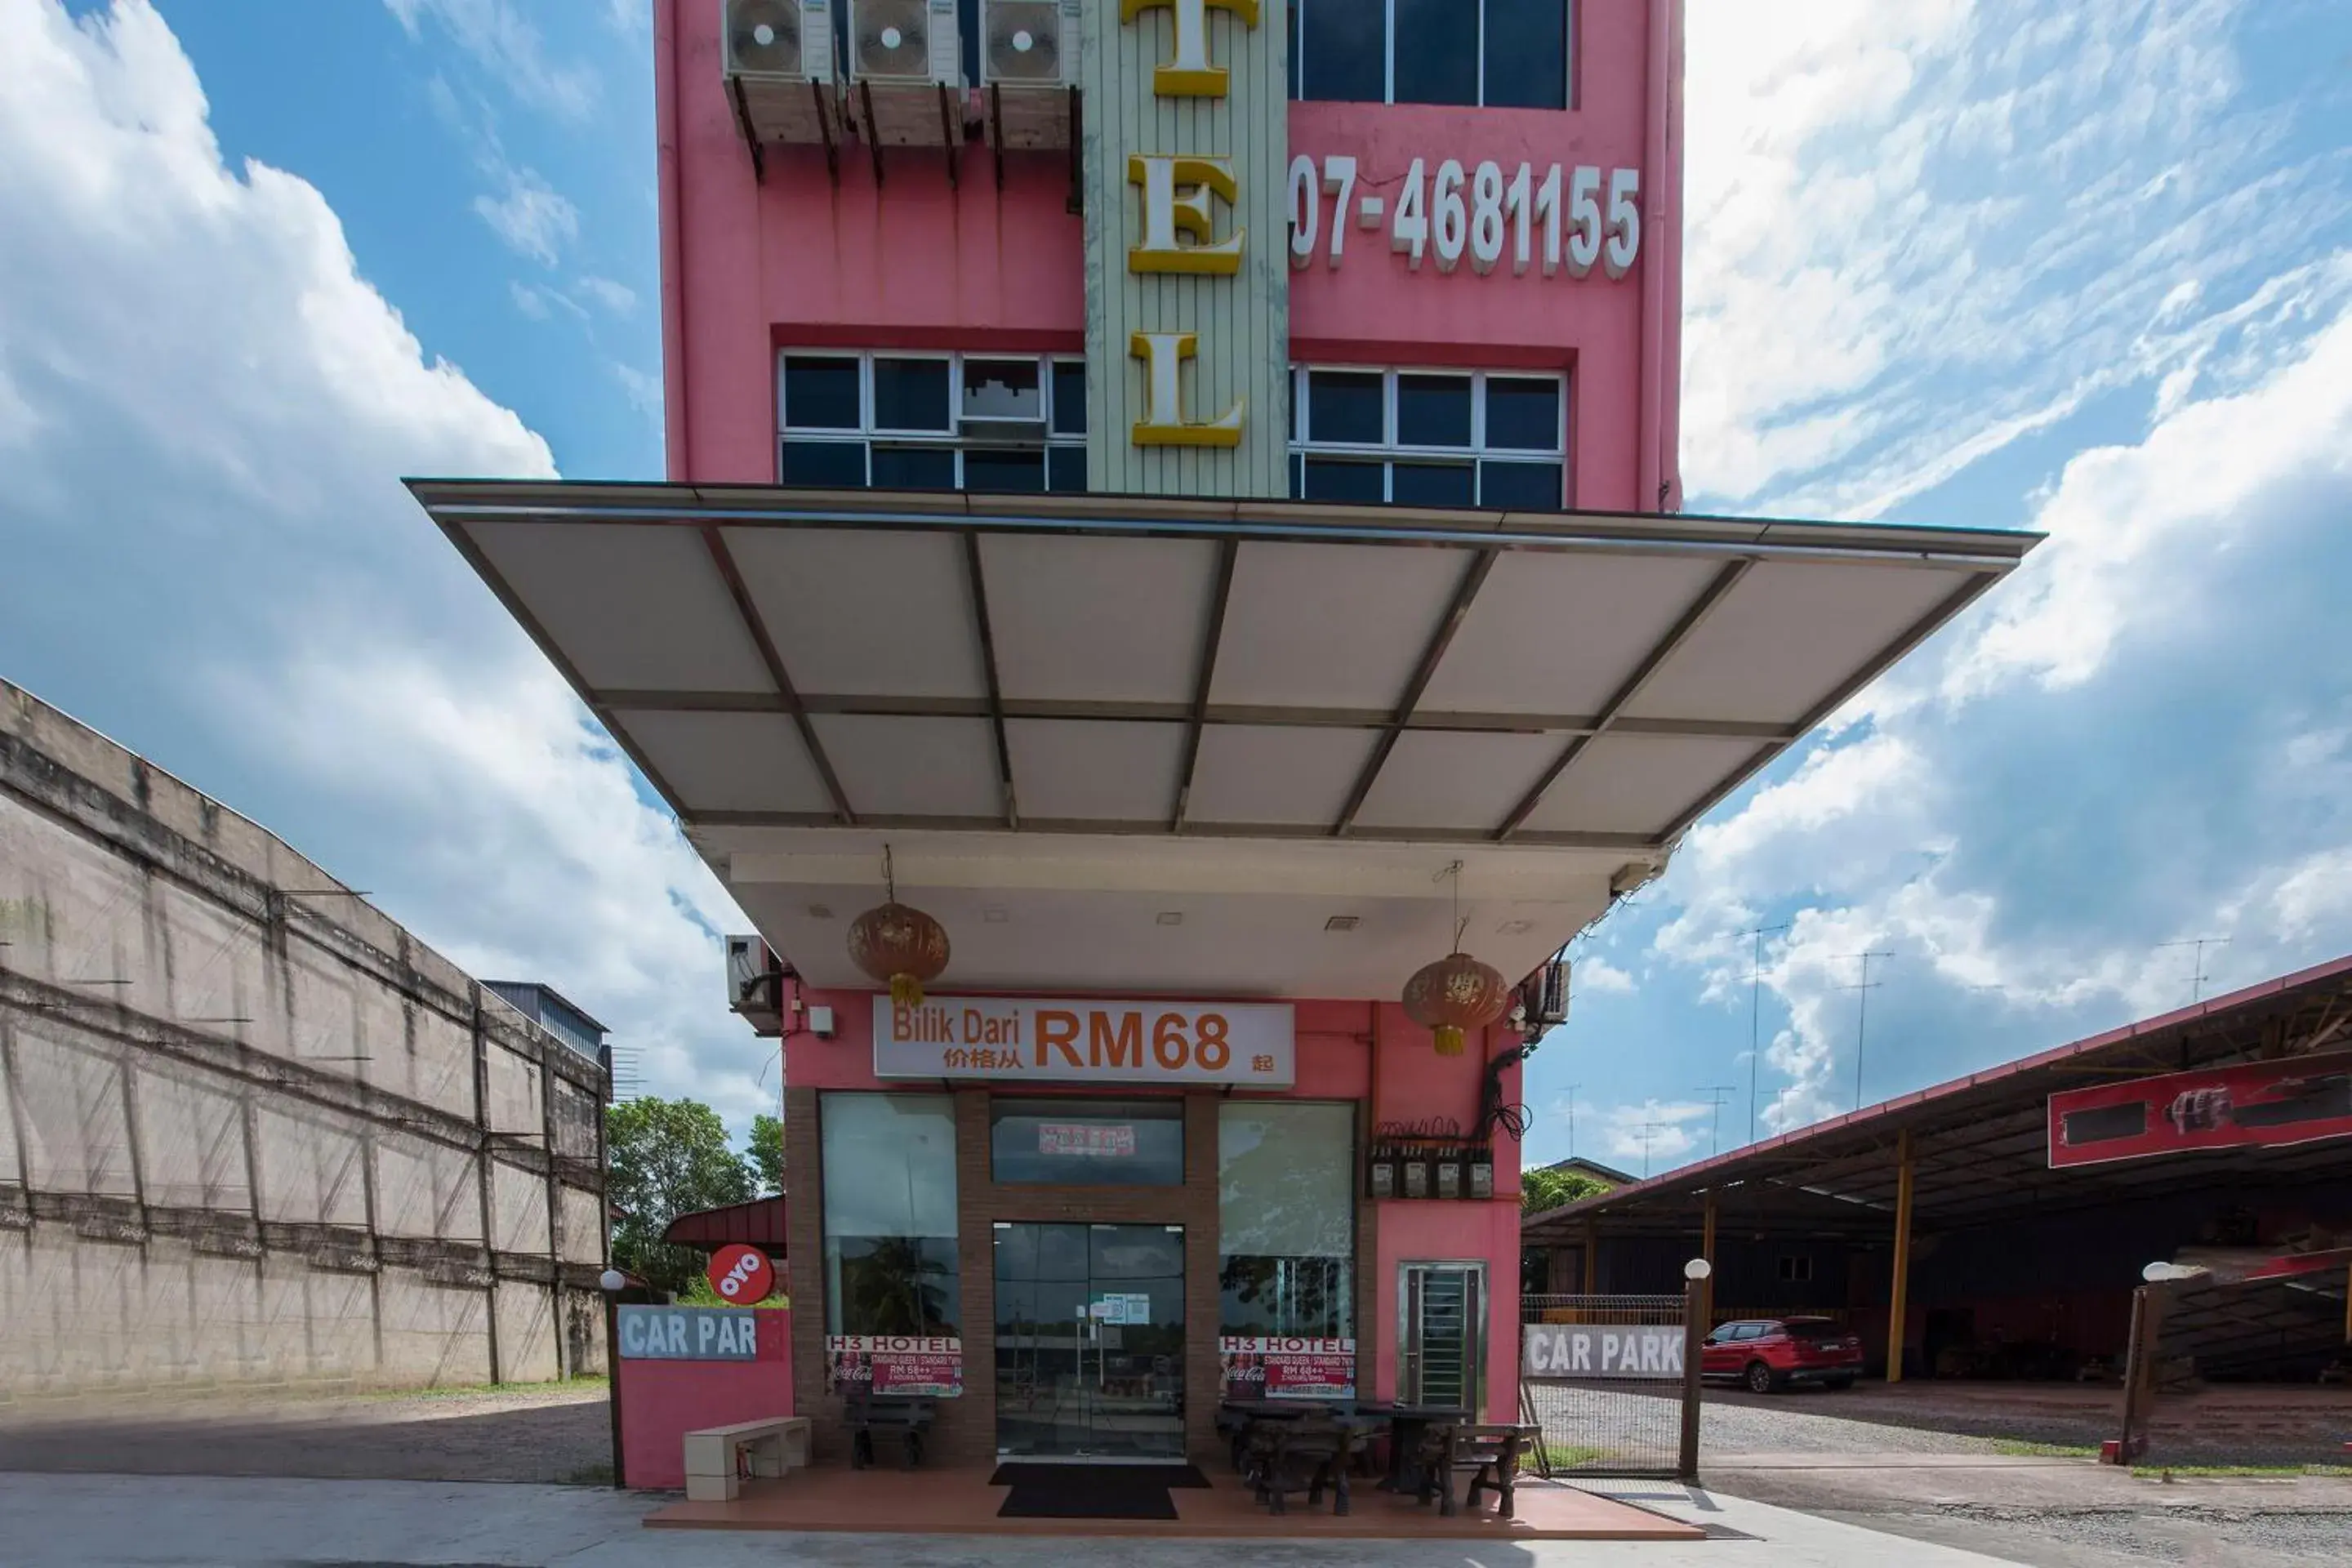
(1018, 1040)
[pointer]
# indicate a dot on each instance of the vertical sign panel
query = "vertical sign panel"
(1186, 134)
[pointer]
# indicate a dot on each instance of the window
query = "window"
(1466, 438)
(1286, 1218)
(932, 421)
(889, 1185)
(1796, 1271)
(1503, 54)
(1087, 1143)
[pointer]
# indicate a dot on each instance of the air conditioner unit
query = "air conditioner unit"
(1545, 994)
(906, 58)
(1029, 64)
(778, 61)
(755, 985)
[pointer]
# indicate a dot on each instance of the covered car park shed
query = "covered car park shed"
(1941, 1210)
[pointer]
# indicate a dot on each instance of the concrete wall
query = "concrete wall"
(250, 1130)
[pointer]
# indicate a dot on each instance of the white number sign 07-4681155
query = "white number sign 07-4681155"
(1570, 218)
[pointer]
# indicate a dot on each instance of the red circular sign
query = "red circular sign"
(741, 1275)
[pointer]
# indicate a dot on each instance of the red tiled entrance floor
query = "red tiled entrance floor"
(961, 1502)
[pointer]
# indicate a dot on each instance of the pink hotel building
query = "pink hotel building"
(1183, 493)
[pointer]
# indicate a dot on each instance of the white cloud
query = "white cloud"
(215, 380)
(1600, 977)
(530, 302)
(1654, 1135)
(617, 297)
(1923, 230)
(645, 391)
(2145, 740)
(509, 48)
(531, 217)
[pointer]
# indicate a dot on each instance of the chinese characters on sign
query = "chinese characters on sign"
(1263, 1367)
(1010, 1039)
(1086, 1141)
(892, 1364)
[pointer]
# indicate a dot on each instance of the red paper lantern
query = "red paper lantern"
(899, 946)
(1454, 995)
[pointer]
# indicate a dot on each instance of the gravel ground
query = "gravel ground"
(546, 1433)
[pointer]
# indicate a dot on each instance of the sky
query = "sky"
(2084, 269)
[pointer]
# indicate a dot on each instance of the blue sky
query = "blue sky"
(2083, 270)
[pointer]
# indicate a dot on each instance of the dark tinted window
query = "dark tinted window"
(1433, 484)
(820, 394)
(839, 464)
(1436, 51)
(1014, 469)
(911, 395)
(1343, 45)
(1526, 54)
(1344, 405)
(1069, 398)
(1336, 480)
(1066, 469)
(1432, 411)
(1521, 486)
(914, 469)
(1088, 1142)
(1523, 415)
(1290, 31)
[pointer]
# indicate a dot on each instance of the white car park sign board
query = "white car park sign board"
(1577, 1350)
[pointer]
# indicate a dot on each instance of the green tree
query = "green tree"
(766, 1153)
(667, 1157)
(1543, 1188)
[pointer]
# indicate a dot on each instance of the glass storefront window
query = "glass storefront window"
(1286, 1218)
(890, 1214)
(1088, 1142)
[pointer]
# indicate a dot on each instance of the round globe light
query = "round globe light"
(612, 1281)
(1698, 1269)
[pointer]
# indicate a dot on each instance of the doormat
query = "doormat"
(1092, 1491)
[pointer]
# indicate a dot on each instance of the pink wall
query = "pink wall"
(662, 1401)
(748, 267)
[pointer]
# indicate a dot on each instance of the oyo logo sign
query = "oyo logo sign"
(742, 1274)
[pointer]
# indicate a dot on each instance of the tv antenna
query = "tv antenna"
(1862, 990)
(1716, 1093)
(2197, 980)
(1756, 1018)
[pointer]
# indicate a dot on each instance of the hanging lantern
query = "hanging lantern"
(1458, 994)
(899, 944)
(1454, 995)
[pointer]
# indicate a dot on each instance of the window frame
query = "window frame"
(868, 433)
(1295, 29)
(1389, 451)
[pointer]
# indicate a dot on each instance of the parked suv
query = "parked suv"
(1768, 1354)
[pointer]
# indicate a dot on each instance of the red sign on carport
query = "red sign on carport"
(2254, 1105)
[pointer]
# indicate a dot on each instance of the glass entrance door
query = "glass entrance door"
(1090, 1340)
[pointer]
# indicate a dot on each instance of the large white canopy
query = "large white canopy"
(1149, 743)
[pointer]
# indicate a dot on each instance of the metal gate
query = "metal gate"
(2240, 1365)
(1611, 1382)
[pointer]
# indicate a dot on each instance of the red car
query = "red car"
(1773, 1352)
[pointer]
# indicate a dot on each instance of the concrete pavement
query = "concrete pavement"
(188, 1521)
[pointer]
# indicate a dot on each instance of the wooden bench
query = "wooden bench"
(1307, 1453)
(867, 1414)
(1490, 1455)
(720, 1459)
